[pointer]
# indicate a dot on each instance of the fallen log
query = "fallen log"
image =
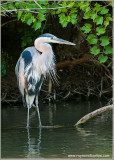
(93, 114)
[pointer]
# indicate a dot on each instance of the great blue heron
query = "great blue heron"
(34, 64)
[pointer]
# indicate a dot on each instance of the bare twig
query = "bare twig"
(68, 94)
(8, 22)
(37, 4)
(6, 3)
(16, 10)
(4, 97)
(94, 113)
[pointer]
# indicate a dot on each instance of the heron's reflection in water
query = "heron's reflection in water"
(33, 149)
(34, 144)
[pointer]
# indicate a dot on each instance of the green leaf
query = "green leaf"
(97, 7)
(88, 9)
(73, 18)
(106, 23)
(64, 24)
(23, 44)
(19, 14)
(99, 20)
(104, 10)
(94, 50)
(111, 3)
(64, 10)
(29, 39)
(102, 58)
(43, 2)
(29, 21)
(108, 17)
(93, 15)
(41, 17)
(53, 12)
(87, 15)
(91, 39)
(108, 49)
(17, 4)
(104, 40)
(83, 6)
(37, 25)
(55, 5)
(109, 64)
(100, 30)
(43, 11)
(73, 11)
(28, 16)
(64, 4)
(86, 28)
(73, 21)
(63, 19)
(33, 20)
(68, 18)
(11, 7)
(58, 11)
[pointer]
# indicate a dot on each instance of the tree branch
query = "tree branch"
(37, 4)
(93, 114)
(8, 22)
(67, 63)
(16, 10)
(6, 3)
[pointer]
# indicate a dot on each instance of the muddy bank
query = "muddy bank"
(88, 79)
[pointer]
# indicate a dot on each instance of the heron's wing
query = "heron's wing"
(33, 80)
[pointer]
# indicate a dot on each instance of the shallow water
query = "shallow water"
(93, 139)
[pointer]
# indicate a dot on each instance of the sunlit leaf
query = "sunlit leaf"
(100, 30)
(95, 50)
(104, 40)
(104, 10)
(86, 28)
(91, 39)
(108, 49)
(99, 20)
(102, 58)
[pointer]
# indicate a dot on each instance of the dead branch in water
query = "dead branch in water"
(94, 113)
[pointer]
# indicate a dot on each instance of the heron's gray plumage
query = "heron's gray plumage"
(34, 65)
(31, 69)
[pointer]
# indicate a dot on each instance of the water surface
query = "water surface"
(94, 138)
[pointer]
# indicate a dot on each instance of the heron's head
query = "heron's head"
(49, 38)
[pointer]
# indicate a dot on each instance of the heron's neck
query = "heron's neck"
(47, 58)
(41, 46)
(45, 49)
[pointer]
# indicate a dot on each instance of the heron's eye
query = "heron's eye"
(51, 37)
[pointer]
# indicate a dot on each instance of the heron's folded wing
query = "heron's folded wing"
(33, 80)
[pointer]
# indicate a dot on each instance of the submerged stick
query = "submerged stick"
(94, 113)
(35, 127)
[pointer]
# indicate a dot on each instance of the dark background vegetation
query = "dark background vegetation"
(81, 75)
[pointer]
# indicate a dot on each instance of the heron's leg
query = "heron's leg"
(40, 124)
(28, 118)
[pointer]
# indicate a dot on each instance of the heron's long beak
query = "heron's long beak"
(61, 41)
